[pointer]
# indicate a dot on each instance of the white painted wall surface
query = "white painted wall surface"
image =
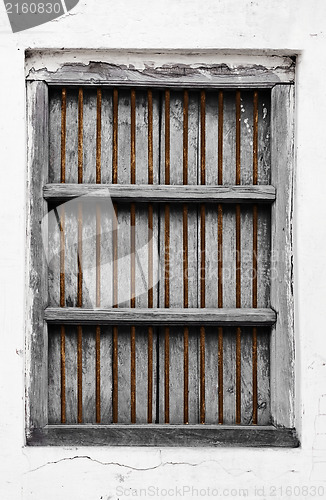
(104, 473)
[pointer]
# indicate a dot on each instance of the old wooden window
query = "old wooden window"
(164, 318)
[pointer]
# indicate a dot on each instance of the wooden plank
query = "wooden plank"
(282, 335)
(264, 137)
(165, 435)
(37, 297)
(146, 170)
(229, 375)
(54, 134)
(54, 380)
(106, 374)
(71, 136)
(264, 257)
(88, 375)
(246, 178)
(263, 376)
(211, 375)
(226, 167)
(246, 376)
(161, 193)
(172, 75)
(194, 316)
(71, 374)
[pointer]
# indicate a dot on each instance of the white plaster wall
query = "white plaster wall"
(97, 473)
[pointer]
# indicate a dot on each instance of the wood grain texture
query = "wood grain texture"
(199, 76)
(37, 297)
(160, 193)
(282, 339)
(161, 435)
(174, 315)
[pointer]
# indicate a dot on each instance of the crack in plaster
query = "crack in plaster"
(141, 469)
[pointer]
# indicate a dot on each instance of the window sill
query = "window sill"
(163, 435)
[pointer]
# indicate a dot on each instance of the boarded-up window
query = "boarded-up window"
(159, 228)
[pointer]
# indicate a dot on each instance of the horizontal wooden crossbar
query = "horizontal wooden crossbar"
(173, 316)
(163, 435)
(161, 193)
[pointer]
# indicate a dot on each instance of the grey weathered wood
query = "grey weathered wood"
(71, 136)
(246, 376)
(37, 296)
(156, 316)
(164, 435)
(71, 374)
(282, 341)
(54, 134)
(161, 193)
(211, 375)
(54, 378)
(229, 374)
(142, 238)
(264, 137)
(106, 374)
(88, 376)
(263, 376)
(192, 76)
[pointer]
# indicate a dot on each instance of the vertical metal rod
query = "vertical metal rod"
(150, 260)
(254, 262)
(80, 264)
(167, 264)
(115, 261)
(98, 260)
(62, 259)
(132, 257)
(238, 259)
(220, 257)
(202, 251)
(185, 261)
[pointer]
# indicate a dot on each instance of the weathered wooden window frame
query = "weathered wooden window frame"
(280, 80)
